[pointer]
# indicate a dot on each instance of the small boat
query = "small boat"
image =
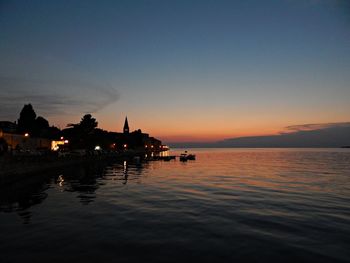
(166, 158)
(185, 157)
(191, 157)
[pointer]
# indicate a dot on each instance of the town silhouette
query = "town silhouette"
(33, 133)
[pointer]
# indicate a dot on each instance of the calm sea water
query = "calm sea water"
(243, 205)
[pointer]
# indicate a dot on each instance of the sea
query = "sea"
(228, 205)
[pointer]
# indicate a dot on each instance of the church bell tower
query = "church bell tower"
(126, 126)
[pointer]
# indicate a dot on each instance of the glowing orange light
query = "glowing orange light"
(125, 145)
(26, 134)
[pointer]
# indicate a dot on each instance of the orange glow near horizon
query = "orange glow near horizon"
(176, 131)
(198, 127)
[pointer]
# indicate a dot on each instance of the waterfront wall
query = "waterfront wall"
(27, 143)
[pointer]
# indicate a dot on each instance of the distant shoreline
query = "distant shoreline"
(329, 137)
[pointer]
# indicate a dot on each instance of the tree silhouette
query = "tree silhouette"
(35, 126)
(41, 127)
(41, 123)
(88, 124)
(82, 134)
(26, 121)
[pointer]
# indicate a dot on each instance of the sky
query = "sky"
(180, 70)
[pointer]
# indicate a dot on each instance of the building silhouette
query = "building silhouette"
(116, 141)
(136, 140)
(72, 139)
(126, 126)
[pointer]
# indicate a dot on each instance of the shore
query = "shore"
(15, 169)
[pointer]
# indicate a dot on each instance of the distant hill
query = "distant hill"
(328, 137)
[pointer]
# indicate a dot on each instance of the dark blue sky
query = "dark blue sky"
(244, 67)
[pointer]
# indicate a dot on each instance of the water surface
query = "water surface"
(251, 205)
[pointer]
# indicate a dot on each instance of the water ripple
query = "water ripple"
(250, 205)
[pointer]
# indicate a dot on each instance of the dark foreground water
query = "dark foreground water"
(242, 205)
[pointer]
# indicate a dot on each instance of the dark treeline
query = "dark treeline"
(85, 134)
(82, 135)
(28, 122)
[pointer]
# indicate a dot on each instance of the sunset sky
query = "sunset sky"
(180, 70)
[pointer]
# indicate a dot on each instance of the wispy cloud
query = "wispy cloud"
(314, 126)
(53, 97)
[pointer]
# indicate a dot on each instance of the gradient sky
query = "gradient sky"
(180, 70)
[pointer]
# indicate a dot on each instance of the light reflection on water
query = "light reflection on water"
(230, 204)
